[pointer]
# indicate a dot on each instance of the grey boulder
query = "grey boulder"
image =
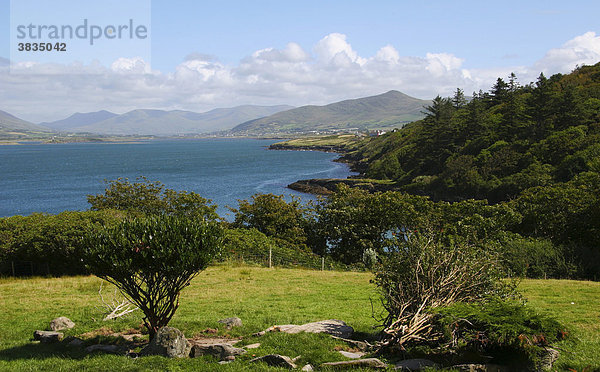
(220, 351)
(61, 323)
(231, 322)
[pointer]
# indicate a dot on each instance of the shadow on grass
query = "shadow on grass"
(38, 350)
(35, 350)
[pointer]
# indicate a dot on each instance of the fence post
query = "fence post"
(12, 264)
(270, 255)
(322, 263)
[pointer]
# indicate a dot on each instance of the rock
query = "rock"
(169, 342)
(350, 355)
(332, 327)
(414, 364)
(111, 349)
(74, 342)
(308, 368)
(363, 346)
(231, 322)
(61, 323)
(252, 346)
(359, 363)
(47, 336)
(547, 358)
(220, 351)
(276, 360)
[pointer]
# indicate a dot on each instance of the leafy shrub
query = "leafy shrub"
(151, 260)
(51, 241)
(509, 331)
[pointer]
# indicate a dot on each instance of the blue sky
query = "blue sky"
(221, 54)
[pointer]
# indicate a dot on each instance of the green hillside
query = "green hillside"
(13, 128)
(499, 144)
(388, 110)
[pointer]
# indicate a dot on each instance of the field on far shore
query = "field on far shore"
(261, 298)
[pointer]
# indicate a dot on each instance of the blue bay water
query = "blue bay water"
(52, 178)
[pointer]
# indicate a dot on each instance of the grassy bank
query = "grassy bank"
(261, 297)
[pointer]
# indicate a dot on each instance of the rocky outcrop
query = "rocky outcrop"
(326, 186)
(332, 327)
(169, 342)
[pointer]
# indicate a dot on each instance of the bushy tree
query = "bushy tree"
(150, 260)
(273, 216)
(152, 198)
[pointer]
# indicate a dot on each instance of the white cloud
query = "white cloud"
(583, 49)
(291, 75)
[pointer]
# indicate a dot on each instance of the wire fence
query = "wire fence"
(268, 258)
(272, 258)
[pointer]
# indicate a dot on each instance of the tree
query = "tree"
(459, 101)
(152, 198)
(273, 216)
(150, 260)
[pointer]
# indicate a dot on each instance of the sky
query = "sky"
(200, 55)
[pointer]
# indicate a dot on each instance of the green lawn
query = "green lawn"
(261, 297)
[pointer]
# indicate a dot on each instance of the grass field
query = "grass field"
(261, 297)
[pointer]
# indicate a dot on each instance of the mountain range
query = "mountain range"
(160, 122)
(387, 110)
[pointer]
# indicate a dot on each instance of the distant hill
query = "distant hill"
(10, 122)
(159, 122)
(79, 119)
(391, 109)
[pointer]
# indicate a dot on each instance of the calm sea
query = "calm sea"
(53, 178)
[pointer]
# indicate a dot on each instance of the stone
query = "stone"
(547, 358)
(75, 342)
(350, 355)
(231, 322)
(332, 327)
(359, 363)
(276, 360)
(47, 336)
(220, 351)
(308, 368)
(361, 345)
(414, 364)
(111, 349)
(169, 342)
(252, 346)
(61, 323)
